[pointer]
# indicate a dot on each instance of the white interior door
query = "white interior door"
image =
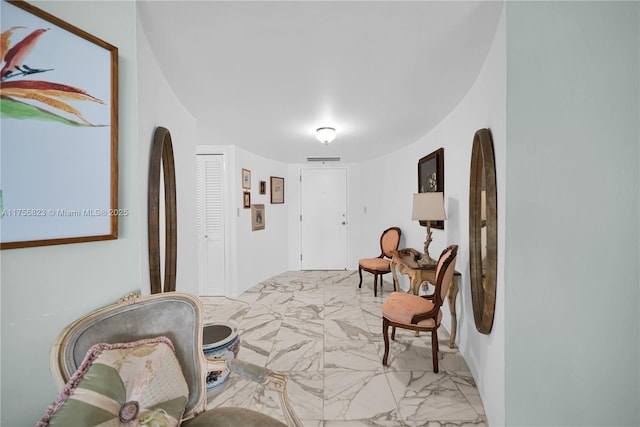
(210, 200)
(323, 218)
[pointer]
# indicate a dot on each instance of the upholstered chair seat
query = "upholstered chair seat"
(228, 417)
(378, 264)
(401, 308)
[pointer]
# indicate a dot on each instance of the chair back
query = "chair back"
(174, 315)
(389, 241)
(444, 271)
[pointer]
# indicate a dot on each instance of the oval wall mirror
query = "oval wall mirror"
(483, 230)
(162, 161)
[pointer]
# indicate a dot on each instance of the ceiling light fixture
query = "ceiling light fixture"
(325, 134)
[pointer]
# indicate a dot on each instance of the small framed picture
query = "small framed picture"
(246, 178)
(246, 199)
(257, 217)
(263, 187)
(277, 190)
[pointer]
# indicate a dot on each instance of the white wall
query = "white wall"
(158, 106)
(259, 254)
(46, 288)
(572, 312)
(395, 177)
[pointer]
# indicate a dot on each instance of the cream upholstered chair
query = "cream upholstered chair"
(420, 313)
(379, 266)
(179, 318)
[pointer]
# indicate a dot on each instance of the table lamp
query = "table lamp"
(428, 207)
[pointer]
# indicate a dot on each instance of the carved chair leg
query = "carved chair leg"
(393, 333)
(360, 273)
(385, 334)
(434, 349)
(375, 285)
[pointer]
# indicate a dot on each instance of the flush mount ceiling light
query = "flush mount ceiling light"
(325, 134)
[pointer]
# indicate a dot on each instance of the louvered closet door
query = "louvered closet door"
(211, 260)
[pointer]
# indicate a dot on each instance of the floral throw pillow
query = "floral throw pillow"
(126, 384)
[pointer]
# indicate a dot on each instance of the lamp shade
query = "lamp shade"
(325, 134)
(428, 207)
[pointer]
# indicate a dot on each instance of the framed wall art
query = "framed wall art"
(431, 178)
(59, 131)
(246, 178)
(257, 217)
(246, 200)
(263, 187)
(277, 190)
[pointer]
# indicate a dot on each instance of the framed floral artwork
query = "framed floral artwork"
(431, 178)
(59, 126)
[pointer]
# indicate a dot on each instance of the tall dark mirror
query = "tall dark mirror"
(483, 230)
(162, 164)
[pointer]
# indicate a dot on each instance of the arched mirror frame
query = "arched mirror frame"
(162, 159)
(483, 230)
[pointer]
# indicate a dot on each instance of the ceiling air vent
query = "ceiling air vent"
(323, 159)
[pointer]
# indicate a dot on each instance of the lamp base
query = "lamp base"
(426, 261)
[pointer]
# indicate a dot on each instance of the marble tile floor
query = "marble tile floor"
(326, 334)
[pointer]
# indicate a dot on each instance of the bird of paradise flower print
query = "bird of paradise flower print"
(48, 100)
(58, 128)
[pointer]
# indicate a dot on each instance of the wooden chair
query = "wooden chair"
(420, 313)
(381, 265)
(177, 317)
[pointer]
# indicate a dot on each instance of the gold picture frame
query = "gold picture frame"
(257, 217)
(246, 178)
